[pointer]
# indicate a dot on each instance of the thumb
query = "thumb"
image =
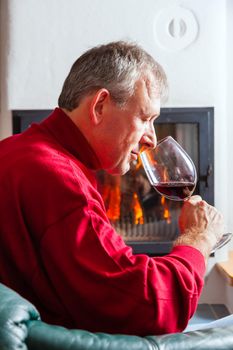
(195, 199)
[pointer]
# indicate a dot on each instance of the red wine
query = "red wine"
(175, 190)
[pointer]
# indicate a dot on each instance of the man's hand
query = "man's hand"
(201, 225)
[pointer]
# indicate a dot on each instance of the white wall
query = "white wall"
(229, 116)
(5, 114)
(47, 36)
(43, 38)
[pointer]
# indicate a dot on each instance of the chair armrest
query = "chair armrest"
(206, 339)
(15, 312)
(49, 337)
(21, 328)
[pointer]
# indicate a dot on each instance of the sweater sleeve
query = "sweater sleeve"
(105, 287)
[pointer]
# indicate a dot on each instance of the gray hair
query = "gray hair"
(116, 67)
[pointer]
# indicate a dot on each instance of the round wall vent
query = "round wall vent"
(175, 28)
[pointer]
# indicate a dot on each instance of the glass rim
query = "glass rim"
(150, 149)
(164, 139)
(144, 153)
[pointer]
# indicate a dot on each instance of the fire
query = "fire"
(166, 212)
(139, 164)
(112, 197)
(138, 212)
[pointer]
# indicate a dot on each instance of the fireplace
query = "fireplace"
(147, 221)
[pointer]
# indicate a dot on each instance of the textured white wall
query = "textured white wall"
(229, 117)
(47, 36)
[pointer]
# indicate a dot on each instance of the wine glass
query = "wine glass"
(170, 170)
(172, 173)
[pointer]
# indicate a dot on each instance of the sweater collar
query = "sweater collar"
(71, 138)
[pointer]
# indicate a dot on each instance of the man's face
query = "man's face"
(128, 129)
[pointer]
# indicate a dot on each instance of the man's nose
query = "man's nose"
(153, 138)
(149, 139)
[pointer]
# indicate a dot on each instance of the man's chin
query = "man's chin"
(120, 170)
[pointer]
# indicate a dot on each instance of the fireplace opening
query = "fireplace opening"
(146, 220)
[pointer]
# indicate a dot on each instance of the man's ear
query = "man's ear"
(97, 105)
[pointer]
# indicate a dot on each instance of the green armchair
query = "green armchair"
(21, 328)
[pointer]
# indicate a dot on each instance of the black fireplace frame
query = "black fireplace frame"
(202, 116)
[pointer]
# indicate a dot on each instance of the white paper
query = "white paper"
(221, 322)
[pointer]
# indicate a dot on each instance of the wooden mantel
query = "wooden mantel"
(226, 268)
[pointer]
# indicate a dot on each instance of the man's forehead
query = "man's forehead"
(146, 98)
(149, 86)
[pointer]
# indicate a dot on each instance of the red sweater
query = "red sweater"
(58, 249)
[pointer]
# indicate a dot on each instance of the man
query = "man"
(58, 248)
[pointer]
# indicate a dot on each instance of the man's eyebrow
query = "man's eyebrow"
(148, 115)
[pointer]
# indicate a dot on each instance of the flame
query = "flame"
(165, 175)
(166, 212)
(111, 194)
(138, 212)
(139, 164)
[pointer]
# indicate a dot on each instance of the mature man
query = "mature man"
(58, 248)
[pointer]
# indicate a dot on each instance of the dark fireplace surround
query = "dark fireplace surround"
(147, 221)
